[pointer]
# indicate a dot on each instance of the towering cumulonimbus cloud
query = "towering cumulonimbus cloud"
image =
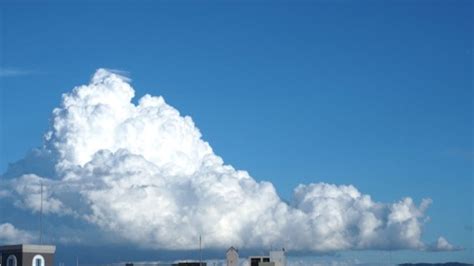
(142, 172)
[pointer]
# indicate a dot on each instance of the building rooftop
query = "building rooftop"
(28, 248)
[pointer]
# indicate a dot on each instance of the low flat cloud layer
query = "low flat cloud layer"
(143, 174)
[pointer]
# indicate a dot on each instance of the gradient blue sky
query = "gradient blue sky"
(374, 94)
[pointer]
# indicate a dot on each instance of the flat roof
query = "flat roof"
(28, 248)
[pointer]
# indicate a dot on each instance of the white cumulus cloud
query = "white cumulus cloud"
(11, 235)
(442, 244)
(143, 173)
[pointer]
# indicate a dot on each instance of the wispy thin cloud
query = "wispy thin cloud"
(123, 74)
(14, 72)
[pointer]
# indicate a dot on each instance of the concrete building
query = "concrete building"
(144, 263)
(232, 256)
(278, 257)
(27, 255)
(266, 264)
(190, 264)
(258, 260)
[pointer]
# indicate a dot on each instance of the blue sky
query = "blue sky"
(374, 94)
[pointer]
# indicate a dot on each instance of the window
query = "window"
(254, 261)
(38, 260)
(11, 260)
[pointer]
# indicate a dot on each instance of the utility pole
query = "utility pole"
(41, 215)
(200, 251)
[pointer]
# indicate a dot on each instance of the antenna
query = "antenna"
(41, 215)
(200, 251)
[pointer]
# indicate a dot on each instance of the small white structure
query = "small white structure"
(278, 257)
(259, 260)
(232, 256)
